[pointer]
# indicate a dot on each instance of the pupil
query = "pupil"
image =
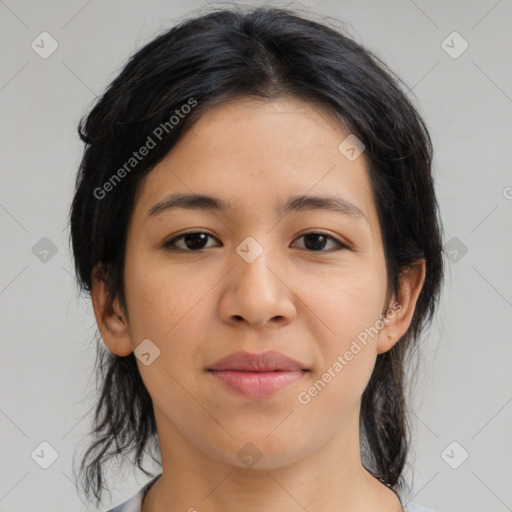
(197, 239)
(317, 239)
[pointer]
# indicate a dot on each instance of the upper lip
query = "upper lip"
(262, 362)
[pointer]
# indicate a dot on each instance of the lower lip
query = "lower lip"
(257, 384)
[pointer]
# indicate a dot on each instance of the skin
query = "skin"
(309, 303)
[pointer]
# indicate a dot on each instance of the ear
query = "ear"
(401, 308)
(111, 321)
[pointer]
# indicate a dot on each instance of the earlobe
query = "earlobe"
(399, 319)
(111, 321)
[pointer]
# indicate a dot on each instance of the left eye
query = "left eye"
(319, 240)
(194, 242)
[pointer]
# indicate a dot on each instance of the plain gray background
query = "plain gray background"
(464, 391)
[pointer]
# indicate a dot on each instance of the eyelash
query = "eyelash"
(170, 245)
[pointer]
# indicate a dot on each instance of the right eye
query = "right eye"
(192, 242)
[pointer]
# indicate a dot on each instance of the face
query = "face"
(203, 282)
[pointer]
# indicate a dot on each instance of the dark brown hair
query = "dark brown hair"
(265, 53)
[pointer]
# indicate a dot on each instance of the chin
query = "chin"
(261, 453)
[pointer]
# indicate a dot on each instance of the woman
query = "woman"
(256, 223)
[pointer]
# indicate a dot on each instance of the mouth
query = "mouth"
(257, 384)
(257, 375)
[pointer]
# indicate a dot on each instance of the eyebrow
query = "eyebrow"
(293, 204)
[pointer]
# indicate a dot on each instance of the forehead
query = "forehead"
(257, 154)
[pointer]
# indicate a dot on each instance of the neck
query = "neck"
(330, 478)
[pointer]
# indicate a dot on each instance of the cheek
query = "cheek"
(158, 298)
(346, 338)
(166, 308)
(343, 306)
(173, 310)
(349, 307)
(332, 399)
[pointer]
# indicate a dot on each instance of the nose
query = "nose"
(258, 293)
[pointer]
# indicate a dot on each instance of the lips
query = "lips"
(257, 375)
(264, 362)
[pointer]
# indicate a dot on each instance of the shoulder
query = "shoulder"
(134, 504)
(409, 506)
